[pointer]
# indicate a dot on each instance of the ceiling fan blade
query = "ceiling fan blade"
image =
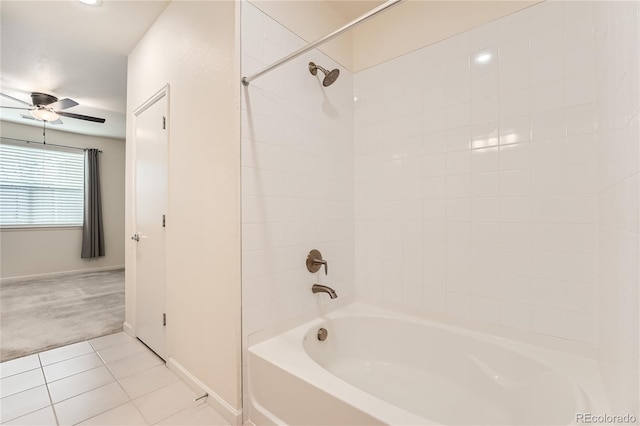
(15, 99)
(8, 107)
(81, 117)
(63, 104)
(28, 117)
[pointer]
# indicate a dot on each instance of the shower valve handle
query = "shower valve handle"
(315, 262)
(322, 262)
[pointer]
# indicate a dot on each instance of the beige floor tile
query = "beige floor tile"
(104, 342)
(19, 365)
(71, 366)
(89, 404)
(124, 415)
(200, 414)
(23, 403)
(124, 350)
(65, 352)
(21, 382)
(148, 381)
(43, 417)
(79, 383)
(134, 364)
(165, 402)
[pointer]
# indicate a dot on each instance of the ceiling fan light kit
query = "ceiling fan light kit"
(44, 114)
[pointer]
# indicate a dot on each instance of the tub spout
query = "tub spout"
(318, 288)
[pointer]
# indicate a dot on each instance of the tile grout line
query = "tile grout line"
(115, 380)
(131, 400)
(194, 404)
(46, 383)
(72, 375)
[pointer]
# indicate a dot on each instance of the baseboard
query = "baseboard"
(230, 414)
(127, 328)
(58, 274)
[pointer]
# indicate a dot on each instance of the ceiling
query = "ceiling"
(72, 50)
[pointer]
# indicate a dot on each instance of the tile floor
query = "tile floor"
(111, 380)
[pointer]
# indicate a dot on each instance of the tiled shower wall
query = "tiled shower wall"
(476, 176)
(618, 103)
(297, 177)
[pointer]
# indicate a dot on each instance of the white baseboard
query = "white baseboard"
(127, 328)
(58, 274)
(222, 407)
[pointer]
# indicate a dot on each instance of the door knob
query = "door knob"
(135, 237)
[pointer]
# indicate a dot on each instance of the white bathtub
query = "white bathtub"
(377, 367)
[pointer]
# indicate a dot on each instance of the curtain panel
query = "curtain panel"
(92, 230)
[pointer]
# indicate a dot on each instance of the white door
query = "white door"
(150, 195)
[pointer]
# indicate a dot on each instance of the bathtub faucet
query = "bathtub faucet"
(318, 288)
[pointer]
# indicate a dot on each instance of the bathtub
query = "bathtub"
(379, 367)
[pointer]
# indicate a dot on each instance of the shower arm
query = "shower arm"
(323, 40)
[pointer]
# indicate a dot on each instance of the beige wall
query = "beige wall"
(406, 27)
(415, 24)
(26, 252)
(193, 48)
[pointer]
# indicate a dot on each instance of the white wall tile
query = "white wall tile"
(515, 102)
(458, 115)
(581, 119)
(515, 129)
(616, 57)
(548, 124)
(515, 156)
(485, 160)
(547, 69)
(515, 315)
(581, 149)
(298, 135)
(485, 185)
(501, 172)
(515, 209)
(580, 88)
(458, 162)
(484, 135)
(485, 310)
(485, 209)
(458, 138)
(549, 321)
(548, 152)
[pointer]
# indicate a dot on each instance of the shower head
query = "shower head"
(329, 76)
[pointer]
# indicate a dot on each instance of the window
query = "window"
(40, 186)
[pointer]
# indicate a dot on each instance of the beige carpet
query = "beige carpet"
(41, 314)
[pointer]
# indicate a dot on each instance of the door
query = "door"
(150, 198)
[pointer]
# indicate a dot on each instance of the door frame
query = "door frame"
(163, 92)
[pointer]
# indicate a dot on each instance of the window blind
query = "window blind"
(40, 186)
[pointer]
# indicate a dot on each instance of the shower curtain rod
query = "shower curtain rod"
(46, 144)
(321, 41)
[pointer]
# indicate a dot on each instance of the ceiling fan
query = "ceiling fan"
(48, 108)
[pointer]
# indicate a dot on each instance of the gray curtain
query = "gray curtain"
(92, 232)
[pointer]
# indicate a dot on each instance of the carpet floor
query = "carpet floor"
(45, 313)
